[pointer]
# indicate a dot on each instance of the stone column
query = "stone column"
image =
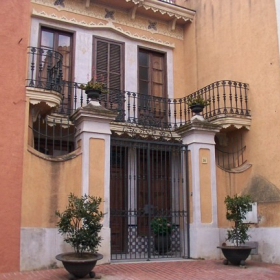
(204, 232)
(94, 136)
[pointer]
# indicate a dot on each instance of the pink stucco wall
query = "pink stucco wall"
(14, 34)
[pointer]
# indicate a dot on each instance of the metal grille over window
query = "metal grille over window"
(52, 135)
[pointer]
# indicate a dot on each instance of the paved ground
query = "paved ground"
(177, 270)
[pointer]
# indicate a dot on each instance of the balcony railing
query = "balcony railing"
(45, 69)
(225, 98)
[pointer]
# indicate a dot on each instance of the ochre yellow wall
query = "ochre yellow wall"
(237, 40)
(46, 187)
(205, 186)
(97, 168)
(269, 214)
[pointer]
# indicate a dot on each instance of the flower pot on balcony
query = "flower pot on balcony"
(93, 94)
(197, 108)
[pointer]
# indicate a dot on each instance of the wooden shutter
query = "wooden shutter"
(107, 66)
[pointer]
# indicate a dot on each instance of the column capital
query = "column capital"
(198, 131)
(93, 118)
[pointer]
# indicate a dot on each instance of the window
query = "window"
(152, 88)
(108, 63)
(61, 42)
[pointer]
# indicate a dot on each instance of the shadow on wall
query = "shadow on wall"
(262, 190)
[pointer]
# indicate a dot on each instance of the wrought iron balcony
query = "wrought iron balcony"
(226, 99)
(45, 69)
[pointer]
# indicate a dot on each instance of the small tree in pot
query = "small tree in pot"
(80, 225)
(237, 207)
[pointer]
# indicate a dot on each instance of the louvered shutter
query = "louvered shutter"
(115, 66)
(108, 63)
(100, 71)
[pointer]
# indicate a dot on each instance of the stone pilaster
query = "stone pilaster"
(204, 233)
(94, 136)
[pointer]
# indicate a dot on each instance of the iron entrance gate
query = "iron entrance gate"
(148, 185)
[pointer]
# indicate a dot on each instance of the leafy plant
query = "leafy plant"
(80, 223)
(94, 85)
(237, 207)
(198, 100)
(160, 226)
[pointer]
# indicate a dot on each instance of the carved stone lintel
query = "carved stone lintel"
(135, 130)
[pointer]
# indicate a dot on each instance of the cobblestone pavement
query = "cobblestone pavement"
(177, 270)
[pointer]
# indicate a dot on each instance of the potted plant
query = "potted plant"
(93, 88)
(80, 225)
(162, 229)
(237, 207)
(197, 103)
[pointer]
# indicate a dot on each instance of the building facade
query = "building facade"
(139, 147)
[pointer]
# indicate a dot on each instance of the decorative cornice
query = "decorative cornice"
(101, 25)
(36, 96)
(165, 8)
(120, 17)
(225, 121)
(134, 130)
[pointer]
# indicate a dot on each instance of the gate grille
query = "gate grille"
(148, 182)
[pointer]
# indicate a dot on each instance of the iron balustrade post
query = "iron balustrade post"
(180, 111)
(175, 113)
(241, 98)
(32, 66)
(40, 70)
(185, 109)
(218, 97)
(224, 97)
(246, 100)
(169, 112)
(128, 105)
(134, 106)
(236, 98)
